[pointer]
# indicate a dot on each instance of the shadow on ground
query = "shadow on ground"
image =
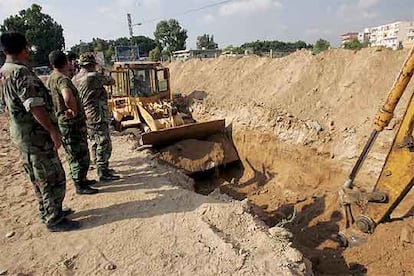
(316, 238)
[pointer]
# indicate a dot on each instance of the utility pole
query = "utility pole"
(130, 25)
(131, 32)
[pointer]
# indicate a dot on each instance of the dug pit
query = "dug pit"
(296, 188)
(299, 123)
(289, 186)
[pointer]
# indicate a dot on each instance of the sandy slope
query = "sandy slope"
(299, 124)
(144, 224)
(326, 101)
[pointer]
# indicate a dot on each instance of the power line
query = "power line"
(189, 11)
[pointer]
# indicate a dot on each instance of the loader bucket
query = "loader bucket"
(168, 136)
(195, 147)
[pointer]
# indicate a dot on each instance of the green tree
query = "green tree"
(206, 42)
(155, 54)
(355, 44)
(233, 49)
(144, 43)
(320, 46)
(43, 33)
(261, 47)
(169, 36)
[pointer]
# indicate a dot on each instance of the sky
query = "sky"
(232, 22)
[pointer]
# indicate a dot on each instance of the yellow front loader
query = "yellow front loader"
(363, 210)
(141, 97)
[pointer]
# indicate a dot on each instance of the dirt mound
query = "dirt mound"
(390, 250)
(326, 101)
(299, 123)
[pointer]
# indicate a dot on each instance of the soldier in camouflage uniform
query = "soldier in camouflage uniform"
(71, 121)
(32, 128)
(94, 99)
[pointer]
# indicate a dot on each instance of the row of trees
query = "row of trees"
(261, 47)
(169, 37)
(322, 45)
(45, 35)
(144, 43)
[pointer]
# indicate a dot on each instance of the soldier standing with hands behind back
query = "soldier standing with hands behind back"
(71, 121)
(33, 129)
(94, 99)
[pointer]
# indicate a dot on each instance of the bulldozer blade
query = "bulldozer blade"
(168, 136)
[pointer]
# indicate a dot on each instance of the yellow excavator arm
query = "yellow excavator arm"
(364, 210)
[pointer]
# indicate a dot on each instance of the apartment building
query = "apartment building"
(364, 36)
(394, 35)
(348, 37)
(189, 54)
(410, 38)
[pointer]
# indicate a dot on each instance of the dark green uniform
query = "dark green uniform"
(21, 89)
(94, 100)
(73, 131)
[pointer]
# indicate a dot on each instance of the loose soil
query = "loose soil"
(299, 124)
(193, 155)
(150, 222)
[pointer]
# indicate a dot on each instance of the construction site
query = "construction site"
(298, 125)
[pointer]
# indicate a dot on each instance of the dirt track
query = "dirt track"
(299, 123)
(145, 224)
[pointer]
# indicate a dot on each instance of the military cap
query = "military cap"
(87, 58)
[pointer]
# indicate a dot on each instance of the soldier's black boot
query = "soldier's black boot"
(64, 225)
(82, 189)
(89, 182)
(66, 212)
(105, 175)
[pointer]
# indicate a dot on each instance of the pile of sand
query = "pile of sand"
(327, 101)
(299, 124)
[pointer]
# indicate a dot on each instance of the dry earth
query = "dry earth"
(148, 223)
(299, 123)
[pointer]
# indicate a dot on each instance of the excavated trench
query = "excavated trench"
(292, 186)
(289, 186)
(331, 97)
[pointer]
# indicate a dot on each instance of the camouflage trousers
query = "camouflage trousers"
(100, 139)
(75, 142)
(46, 173)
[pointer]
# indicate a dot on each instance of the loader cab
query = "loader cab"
(136, 84)
(140, 80)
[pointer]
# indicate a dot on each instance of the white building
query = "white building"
(364, 36)
(410, 38)
(348, 37)
(189, 54)
(394, 35)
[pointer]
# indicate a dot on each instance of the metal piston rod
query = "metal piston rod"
(392, 179)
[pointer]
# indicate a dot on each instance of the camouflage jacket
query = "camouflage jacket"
(21, 90)
(93, 96)
(56, 83)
